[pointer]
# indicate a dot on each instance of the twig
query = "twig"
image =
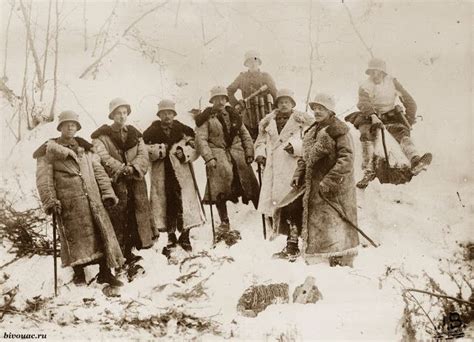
(6, 39)
(125, 32)
(357, 31)
(107, 23)
(459, 197)
(177, 13)
(461, 301)
(10, 262)
(78, 102)
(7, 304)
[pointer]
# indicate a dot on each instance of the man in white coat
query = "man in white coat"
(278, 147)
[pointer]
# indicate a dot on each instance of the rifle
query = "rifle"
(269, 103)
(261, 103)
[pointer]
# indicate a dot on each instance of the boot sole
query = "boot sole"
(423, 163)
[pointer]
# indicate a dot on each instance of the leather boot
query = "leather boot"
(367, 164)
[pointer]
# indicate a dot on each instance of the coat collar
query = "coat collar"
(41, 151)
(132, 140)
(156, 135)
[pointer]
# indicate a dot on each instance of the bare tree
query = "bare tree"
(26, 19)
(6, 40)
(117, 42)
(314, 50)
(104, 30)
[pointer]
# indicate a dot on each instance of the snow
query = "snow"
(417, 224)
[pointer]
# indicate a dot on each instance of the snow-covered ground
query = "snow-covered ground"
(427, 46)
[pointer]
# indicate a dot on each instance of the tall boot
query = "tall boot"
(291, 250)
(105, 276)
(184, 241)
(224, 233)
(224, 217)
(367, 164)
(79, 277)
(417, 163)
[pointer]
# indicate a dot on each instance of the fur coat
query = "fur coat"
(232, 177)
(133, 213)
(166, 169)
(79, 183)
(327, 168)
(280, 165)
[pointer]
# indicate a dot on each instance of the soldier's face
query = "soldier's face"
(120, 115)
(376, 76)
(321, 113)
(219, 101)
(68, 129)
(253, 64)
(167, 116)
(285, 105)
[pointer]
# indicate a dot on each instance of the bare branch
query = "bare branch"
(369, 50)
(26, 18)
(56, 55)
(177, 13)
(125, 32)
(105, 32)
(6, 40)
(461, 301)
(47, 46)
(84, 19)
(310, 53)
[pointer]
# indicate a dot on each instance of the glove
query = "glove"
(240, 106)
(180, 155)
(211, 165)
(376, 122)
(261, 160)
(249, 160)
(110, 202)
(54, 209)
(289, 149)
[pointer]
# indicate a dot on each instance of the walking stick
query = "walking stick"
(384, 145)
(259, 171)
(54, 256)
(347, 220)
(191, 169)
(210, 206)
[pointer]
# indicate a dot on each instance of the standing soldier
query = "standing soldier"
(125, 158)
(249, 82)
(173, 184)
(327, 172)
(72, 185)
(227, 148)
(377, 105)
(277, 149)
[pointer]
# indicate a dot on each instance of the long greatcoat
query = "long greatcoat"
(328, 159)
(80, 184)
(115, 155)
(181, 136)
(280, 165)
(230, 149)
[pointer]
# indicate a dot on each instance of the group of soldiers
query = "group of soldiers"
(98, 194)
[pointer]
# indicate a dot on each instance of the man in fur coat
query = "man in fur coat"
(72, 185)
(277, 148)
(326, 171)
(125, 158)
(173, 187)
(227, 149)
(377, 105)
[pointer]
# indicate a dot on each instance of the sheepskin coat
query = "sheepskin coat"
(79, 183)
(132, 218)
(230, 146)
(280, 165)
(168, 174)
(327, 163)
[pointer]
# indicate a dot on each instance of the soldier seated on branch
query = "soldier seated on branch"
(377, 105)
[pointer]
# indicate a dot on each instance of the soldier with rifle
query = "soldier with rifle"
(257, 100)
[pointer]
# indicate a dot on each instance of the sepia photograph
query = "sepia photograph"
(207, 170)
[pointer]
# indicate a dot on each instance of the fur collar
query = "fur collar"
(334, 127)
(41, 151)
(56, 151)
(156, 135)
(209, 112)
(133, 136)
